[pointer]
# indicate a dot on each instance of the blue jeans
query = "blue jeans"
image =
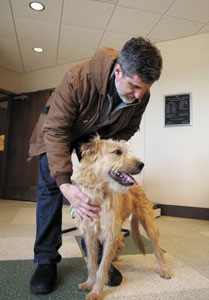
(49, 218)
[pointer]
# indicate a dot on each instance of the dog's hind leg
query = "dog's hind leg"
(135, 233)
(146, 218)
(92, 254)
(153, 234)
(119, 247)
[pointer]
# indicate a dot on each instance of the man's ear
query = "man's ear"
(118, 71)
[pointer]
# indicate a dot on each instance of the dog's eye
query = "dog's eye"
(118, 152)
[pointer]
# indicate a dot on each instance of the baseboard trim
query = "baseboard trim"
(198, 213)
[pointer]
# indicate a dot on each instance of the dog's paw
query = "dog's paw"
(85, 286)
(166, 274)
(94, 296)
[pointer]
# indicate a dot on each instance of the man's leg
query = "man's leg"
(48, 234)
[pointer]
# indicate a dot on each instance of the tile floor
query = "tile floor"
(185, 241)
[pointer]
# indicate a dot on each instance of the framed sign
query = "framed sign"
(177, 110)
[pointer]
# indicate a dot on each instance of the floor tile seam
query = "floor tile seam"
(31, 258)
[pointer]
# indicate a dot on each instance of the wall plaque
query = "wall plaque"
(177, 110)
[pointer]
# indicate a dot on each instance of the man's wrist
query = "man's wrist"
(66, 184)
(61, 179)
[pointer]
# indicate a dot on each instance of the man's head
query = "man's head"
(139, 64)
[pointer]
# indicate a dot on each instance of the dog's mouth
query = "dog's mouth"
(123, 178)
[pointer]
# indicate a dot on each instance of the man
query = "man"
(106, 94)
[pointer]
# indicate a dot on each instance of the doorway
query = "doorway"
(5, 104)
(19, 176)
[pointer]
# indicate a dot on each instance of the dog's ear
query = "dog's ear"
(92, 147)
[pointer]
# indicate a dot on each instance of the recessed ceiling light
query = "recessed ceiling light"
(38, 49)
(37, 6)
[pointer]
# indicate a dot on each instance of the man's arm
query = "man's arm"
(57, 130)
(57, 136)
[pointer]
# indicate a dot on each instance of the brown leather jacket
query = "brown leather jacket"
(74, 107)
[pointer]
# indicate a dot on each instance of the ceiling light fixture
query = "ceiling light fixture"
(38, 49)
(36, 6)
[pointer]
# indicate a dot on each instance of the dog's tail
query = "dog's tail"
(135, 233)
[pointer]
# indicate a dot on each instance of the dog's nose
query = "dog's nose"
(140, 165)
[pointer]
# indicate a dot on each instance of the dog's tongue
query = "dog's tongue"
(129, 178)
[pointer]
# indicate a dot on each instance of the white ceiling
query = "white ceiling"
(71, 30)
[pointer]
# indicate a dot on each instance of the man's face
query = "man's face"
(129, 88)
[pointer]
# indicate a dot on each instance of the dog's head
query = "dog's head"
(111, 162)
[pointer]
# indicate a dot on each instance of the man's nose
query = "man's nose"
(138, 94)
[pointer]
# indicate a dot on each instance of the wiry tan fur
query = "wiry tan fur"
(117, 203)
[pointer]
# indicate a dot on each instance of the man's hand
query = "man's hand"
(80, 202)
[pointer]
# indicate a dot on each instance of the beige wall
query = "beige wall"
(177, 158)
(32, 81)
(9, 80)
(43, 79)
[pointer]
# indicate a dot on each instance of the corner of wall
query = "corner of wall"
(10, 80)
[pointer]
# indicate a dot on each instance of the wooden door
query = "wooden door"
(21, 175)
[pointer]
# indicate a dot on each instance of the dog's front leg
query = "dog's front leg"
(92, 254)
(109, 248)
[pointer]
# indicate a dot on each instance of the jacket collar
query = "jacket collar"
(100, 65)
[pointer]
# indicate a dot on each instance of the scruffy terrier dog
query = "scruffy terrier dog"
(104, 175)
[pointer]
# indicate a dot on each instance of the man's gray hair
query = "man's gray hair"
(140, 57)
